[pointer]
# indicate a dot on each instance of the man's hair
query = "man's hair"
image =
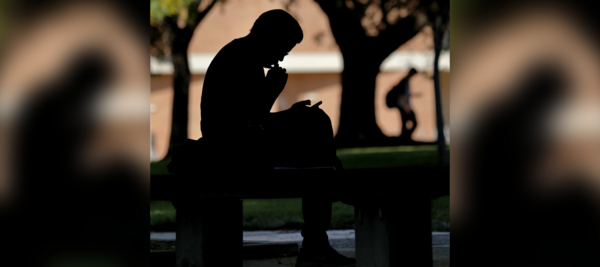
(413, 70)
(277, 23)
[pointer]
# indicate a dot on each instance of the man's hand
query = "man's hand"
(304, 105)
(316, 106)
(276, 79)
(301, 104)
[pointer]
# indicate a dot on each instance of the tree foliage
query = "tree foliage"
(159, 9)
(170, 18)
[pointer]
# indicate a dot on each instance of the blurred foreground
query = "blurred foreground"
(525, 116)
(74, 138)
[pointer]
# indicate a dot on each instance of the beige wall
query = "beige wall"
(160, 120)
(445, 95)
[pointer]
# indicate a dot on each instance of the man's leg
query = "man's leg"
(316, 250)
(306, 139)
(299, 138)
(404, 134)
(317, 219)
(413, 119)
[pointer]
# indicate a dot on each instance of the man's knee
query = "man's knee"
(321, 116)
(314, 121)
(319, 122)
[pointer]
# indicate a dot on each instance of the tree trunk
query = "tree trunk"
(358, 127)
(181, 84)
(441, 140)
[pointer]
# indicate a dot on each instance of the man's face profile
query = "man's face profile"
(276, 52)
(275, 32)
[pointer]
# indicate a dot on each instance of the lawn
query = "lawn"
(286, 213)
(272, 214)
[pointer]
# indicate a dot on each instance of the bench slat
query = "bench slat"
(297, 183)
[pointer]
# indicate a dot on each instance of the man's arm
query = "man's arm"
(268, 92)
(262, 105)
(267, 99)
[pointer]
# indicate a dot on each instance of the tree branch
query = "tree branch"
(345, 25)
(384, 12)
(195, 16)
(393, 36)
(169, 29)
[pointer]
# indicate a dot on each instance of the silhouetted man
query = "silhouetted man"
(236, 103)
(399, 98)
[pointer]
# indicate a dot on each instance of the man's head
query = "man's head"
(412, 72)
(277, 32)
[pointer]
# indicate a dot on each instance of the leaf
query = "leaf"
(159, 9)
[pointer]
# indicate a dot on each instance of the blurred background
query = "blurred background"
(525, 119)
(352, 71)
(74, 132)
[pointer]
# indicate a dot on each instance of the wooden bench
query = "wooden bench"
(392, 210)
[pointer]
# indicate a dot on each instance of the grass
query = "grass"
(440, 214)
(162, 216)
(388, 157)
(278, 214)
(286, 214)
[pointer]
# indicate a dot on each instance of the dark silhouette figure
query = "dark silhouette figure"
(301, 136)
(526, 230)
(63, 206)
(399, 98)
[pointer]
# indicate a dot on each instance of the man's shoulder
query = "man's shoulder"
(234, 47)
(230, 53)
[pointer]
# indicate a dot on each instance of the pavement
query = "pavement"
(340, 240)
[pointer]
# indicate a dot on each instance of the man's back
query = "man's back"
(228, 96)
(393, 96)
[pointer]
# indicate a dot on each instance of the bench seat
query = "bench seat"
(392, 210)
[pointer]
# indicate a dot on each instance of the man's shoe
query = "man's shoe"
(324, 258)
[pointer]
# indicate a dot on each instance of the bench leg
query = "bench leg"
(209, 233)
(397, 233)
